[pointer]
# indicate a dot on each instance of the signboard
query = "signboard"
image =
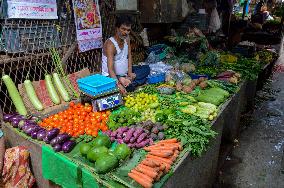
(88, 24)
(32, 9)
(126, 5)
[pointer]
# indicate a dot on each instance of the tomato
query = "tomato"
(89, 109)
(81, 131)
(72, 104)
(104, 128)
(108, 113)
(94, 133)
(89, 132)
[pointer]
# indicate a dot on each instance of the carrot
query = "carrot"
(168, 161)
(166, 165)
(162, 167)
(173, 140)
(144, 176)
(176, 145)
(152, 173)
(175, 155)
(144, 183)
(161, 147)
(147, 167)
(161, 173)
(161, 153)
(149, 163)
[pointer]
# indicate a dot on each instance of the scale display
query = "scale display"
(108, 102)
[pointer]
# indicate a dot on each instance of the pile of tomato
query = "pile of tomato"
(77, 120)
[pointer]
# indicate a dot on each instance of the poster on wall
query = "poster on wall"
(88, 24)
(32, 9)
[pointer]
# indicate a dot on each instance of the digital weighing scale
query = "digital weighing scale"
(101, 91)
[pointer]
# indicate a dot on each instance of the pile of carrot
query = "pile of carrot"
(158, 162)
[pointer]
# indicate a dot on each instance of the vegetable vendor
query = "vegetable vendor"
(117, 58)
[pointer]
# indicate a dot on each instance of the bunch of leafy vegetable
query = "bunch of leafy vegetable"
(191, 130)
(248, 68)
(231, 88)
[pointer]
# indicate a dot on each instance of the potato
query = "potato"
(179, 86)
(203, 85)
(187, 89)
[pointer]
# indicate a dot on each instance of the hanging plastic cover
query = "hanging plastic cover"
(215, 22)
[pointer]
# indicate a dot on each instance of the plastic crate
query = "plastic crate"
(197, 76)
(157, 78)
(96, 84)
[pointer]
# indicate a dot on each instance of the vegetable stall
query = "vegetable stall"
(162, 134)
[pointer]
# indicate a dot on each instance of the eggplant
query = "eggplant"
(68, 146)
(17, 117)
(57, 147)
(52, 133)
(34, 119)
(41, 134)
(34, 134)
(31, 129)
(25, 127)
(7, 117)
(59, 139)
(15, 123)
(45, 139)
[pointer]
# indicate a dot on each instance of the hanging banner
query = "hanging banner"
(88, 24)
(32, 9)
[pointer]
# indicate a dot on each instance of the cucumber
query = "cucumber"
(60, 87)
(32, 95)
(51, 89)
(15, 95)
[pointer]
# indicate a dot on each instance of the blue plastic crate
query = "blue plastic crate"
(157, 78)
(96, 84)
(197, 76)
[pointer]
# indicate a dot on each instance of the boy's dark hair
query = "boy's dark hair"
(123, 19)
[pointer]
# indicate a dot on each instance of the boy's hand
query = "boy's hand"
(122, 89)
(132, 76)
(124, 81)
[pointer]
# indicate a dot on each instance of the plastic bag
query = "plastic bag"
(152, 58)
(215, 22)
(159, 67)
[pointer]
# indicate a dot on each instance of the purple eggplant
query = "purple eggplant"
(7, 117)
(31, 129)
(57, 147)
(41, 134)
(52, 133)
(34, 134)
(45, 139)
(17, 117)
(68, 146)
(15, 123)
(59, 139)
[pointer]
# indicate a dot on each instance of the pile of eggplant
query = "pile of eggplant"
(59, 142)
